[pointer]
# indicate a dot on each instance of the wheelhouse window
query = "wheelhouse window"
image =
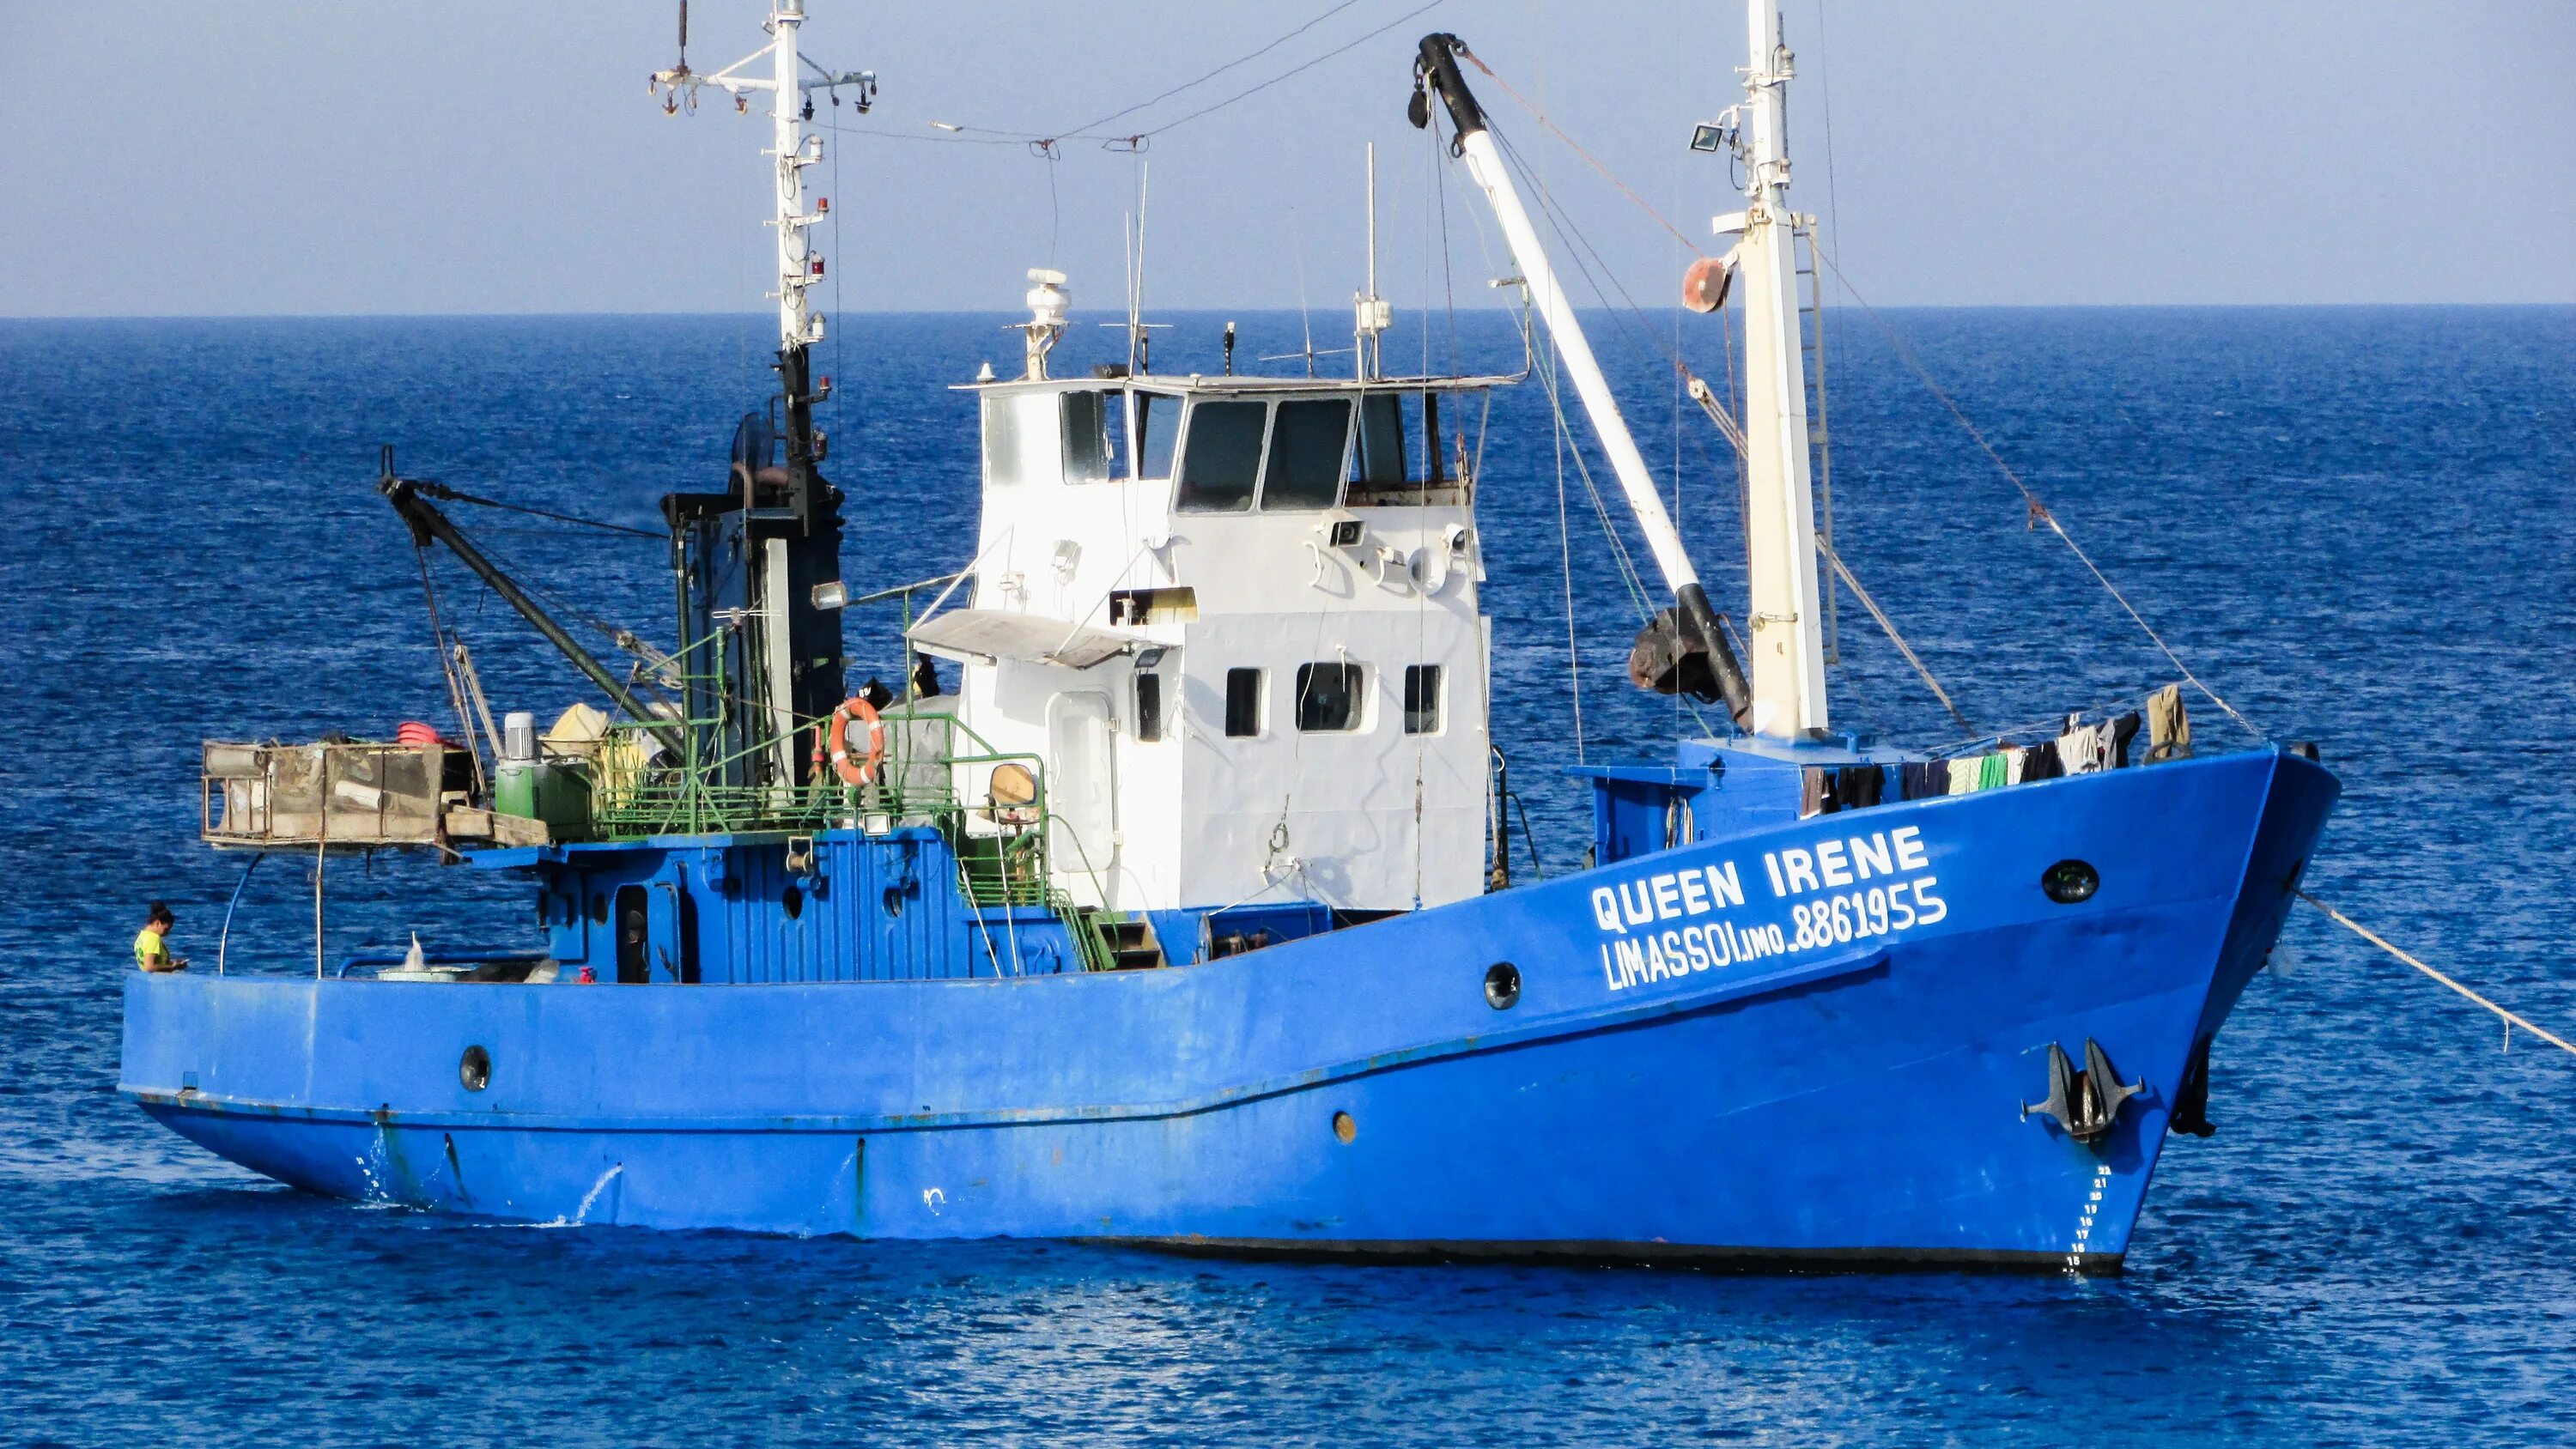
(1379, 461)
(1001, 443)
(1020, 433)
(1088, 449)
(1422, 699)
(1400, 460)
(1307, 441)
(1222, 460)
(1328, 697)
(1158, 427)
(1242, 703)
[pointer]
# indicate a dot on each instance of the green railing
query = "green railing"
(637, 791)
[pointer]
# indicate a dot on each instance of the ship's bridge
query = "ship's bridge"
(1238, 618)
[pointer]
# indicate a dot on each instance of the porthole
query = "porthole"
(792, 901)
(474, 1069)
(1344, 1129)
(1502, 986)
(2070, 881)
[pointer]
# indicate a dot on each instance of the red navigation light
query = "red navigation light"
(818, 266)
(822, 205)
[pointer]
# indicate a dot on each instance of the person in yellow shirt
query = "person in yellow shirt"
(152, 945)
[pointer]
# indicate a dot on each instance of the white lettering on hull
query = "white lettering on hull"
(1840, 890)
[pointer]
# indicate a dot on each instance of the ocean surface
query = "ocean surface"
(2358, 525)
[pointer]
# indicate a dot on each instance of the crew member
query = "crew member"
(152, 944)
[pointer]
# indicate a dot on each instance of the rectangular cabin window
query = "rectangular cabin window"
(1400, 461)
(1018, 431)
(1307, 441)
(1328, 697)
(1087, 451)
(1222, 460)
(1001, 442)
(1158, 426)
(1149, 707)
(1380, 458)
(1422, 699)
(1242, 703)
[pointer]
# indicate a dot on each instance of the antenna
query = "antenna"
(1139, 349)
(1373, 313)
(1140, 333)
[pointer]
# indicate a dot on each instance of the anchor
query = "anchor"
(2085, 1103)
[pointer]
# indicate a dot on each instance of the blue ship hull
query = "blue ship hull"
(1713, 1056)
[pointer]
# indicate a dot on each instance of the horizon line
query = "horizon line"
(770, 314)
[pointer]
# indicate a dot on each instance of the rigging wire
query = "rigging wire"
(1089, 130)
(442, 491)
(1622, 558)
(1576, 147)
(1633, 324)
(1298, 70)
(447, 664)
(1825, 88)
(2039, 511)
(1844, 572)
(1211, 75)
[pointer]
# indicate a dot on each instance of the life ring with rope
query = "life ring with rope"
(833, 741)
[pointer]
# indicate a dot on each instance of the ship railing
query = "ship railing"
(1005, 850)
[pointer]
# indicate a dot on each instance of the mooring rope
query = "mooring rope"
(2511, 1019)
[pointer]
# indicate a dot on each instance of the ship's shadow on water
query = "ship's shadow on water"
(2356, 522)
(398, 1323)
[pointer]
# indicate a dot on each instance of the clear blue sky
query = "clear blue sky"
(162, 158)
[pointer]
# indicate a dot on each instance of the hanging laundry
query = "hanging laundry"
(1857, 787)
(2168, 727)
(2079, 750)
(1993, 771)
(1815, 793)
(2122, 731)
(1964, 773)
(1924, 779)
(2041, 762)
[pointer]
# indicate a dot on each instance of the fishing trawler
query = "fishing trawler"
(1178, 921)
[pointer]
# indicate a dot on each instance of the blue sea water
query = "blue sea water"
(2356, 524)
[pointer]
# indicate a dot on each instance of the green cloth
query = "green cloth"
(1994, 772)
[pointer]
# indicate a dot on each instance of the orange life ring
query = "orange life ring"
(856, 772)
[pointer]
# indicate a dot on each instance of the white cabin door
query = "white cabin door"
(1081, 792)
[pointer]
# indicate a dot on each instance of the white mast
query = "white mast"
(791, 149)
(1438, 68)
(796, 324)
(1787, 636)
